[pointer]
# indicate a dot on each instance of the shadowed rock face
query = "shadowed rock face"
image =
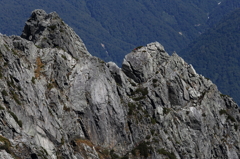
(58, 101)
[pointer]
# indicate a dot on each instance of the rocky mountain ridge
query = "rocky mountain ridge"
(215, 54)
(59, 101)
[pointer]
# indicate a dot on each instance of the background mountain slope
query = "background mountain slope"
(223, 9)
(75, 13)
(58, 101)
(111, 29)
(216, 54)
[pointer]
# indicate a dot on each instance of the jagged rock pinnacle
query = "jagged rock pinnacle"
(58, 101)
(143, 62)
(49, 31)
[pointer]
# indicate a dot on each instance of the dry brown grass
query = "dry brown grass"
(39, 67)
(102, 153)
(84, 141)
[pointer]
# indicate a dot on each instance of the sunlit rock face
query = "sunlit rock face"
(58, 101)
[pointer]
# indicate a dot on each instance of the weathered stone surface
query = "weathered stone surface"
(48, 30)
(5, 155)
(142, 63)
(58, 101)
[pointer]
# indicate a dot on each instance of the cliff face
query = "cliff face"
(58, 101)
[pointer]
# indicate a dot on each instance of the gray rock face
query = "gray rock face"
(58, 101)
(48, 30)
(141, 64)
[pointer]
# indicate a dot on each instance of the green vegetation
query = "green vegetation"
(2, 108)
(39, 47)
(124, 157)
(222, 111)
(154, 80)
(11, 83)
(16, 98)
(166, 111)
(43, 153)
(224, 95)
(133, 151)
(60, 48)
(152, 131)
(4, 93)
(139, 98)
(113, 155)
(14, 52)
(33, 80)
(19, 122)
(235, 127)
(156, 140)
(229, 117)
(131, 108)
(52, 27)
(7, 145)
(132, 83)
(50, 111)
(62, 141)
(7, 47)
(140, 93)
(153, 120)
(101, 61)
(19, 88)
(166, 153)
(143, 148)
(64, 57)
(105, 152)
(65, 108)
(50, 86)
(138, 112)
(148, 137)
(143, 91)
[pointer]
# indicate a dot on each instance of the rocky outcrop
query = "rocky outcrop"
(49, 31)
(58, 101)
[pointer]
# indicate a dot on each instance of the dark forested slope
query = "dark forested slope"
(13, 15)
(111, 29)
(215, 54)
(223, 8)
